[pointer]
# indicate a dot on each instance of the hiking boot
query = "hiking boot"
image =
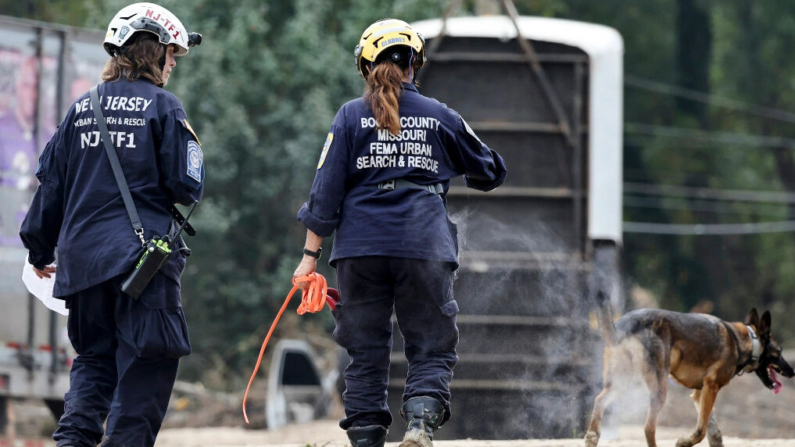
(424, 415)
(369, 436)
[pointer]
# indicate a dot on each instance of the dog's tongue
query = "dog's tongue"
(777, 386)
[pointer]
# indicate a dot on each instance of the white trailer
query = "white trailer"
(42, 67)
(547, 95)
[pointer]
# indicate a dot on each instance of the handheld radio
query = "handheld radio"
(156, 253)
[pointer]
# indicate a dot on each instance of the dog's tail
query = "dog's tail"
(604, 282)
(604, 312)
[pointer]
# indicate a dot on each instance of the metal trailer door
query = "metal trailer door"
(527, 352)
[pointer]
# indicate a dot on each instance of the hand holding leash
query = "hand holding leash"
(306, 267)
(313, 297)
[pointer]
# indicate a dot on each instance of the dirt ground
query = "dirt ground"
(748, 414)
(326, 433)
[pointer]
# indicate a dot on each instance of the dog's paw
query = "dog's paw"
(715, 439)
(591, 439)
(684, 442)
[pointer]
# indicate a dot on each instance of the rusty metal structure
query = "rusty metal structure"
(546, 94)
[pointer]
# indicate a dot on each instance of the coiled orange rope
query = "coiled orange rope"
(312, 300)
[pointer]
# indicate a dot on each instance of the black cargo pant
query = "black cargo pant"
(127, 356)
(421, 294)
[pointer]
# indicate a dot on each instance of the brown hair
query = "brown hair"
(140, 57)
(384, 88)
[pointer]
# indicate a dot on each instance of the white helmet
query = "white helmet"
(151, 18)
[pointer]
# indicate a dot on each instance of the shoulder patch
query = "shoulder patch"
(195, 161)
(469, 129)
(326, 145)
(186, 125)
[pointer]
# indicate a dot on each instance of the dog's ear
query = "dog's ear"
(752, 319)
(764, 324)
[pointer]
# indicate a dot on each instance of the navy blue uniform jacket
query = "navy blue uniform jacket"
(78, 207)
(435, 144)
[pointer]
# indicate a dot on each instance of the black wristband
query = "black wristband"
(314, 254)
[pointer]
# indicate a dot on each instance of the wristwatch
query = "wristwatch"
(314, 254)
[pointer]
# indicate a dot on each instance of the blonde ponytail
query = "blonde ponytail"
(384, 88)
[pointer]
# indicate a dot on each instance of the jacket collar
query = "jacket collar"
(407, 86)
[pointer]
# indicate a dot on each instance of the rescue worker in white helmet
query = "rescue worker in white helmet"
(127, 348)
(380, 187)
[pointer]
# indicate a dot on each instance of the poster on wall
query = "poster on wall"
(31, 84)
(22, 126)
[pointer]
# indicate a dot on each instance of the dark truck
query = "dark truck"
(42, 67)
(547, 95)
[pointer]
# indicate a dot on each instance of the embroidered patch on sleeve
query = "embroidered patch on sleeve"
(186, 125)
(326, 145)
(469, 130)
(195, 161)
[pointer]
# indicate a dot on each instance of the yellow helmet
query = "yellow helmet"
(387, 34)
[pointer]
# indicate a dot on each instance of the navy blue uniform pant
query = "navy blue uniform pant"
(421, 294)
(128, 350)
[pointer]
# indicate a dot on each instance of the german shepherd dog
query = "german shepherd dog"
(700, 351)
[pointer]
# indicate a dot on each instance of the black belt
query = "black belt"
(389, 185)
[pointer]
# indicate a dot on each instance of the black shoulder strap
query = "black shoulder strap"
(114, 163)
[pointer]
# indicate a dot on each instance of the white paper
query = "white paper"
(41, 288)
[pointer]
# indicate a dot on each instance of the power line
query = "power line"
(635, 141)
(701, 206)
(706, 98)
(640, 175)
(709, 229)
(726, 138)
(722, 138)
(642, 142)
(684, 192)
(710, 193)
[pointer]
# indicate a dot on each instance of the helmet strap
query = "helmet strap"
(411, 64)
(162, 60)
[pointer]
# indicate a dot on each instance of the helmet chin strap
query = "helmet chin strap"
(162, 61)
(411, 64)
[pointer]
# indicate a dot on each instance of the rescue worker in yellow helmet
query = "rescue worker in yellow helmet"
(381, 186)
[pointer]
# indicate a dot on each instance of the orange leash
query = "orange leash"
(312, 300)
